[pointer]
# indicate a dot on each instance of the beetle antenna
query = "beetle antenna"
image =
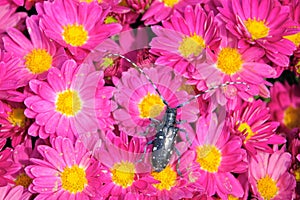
(211, 89)
(141, 71)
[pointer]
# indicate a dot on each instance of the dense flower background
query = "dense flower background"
(74, 116)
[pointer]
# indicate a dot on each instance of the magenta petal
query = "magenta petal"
(14, 193)
(47, 182)
(42, 106)
(40, 171)
(52, 156)
(68, 150)
(51, 125)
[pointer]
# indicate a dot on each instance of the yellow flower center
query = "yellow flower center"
(110, 20)
(68, 103)
(297, 174)
(229, 61)
(23, 180)
(167, 178)
(231, 197)
(257, 28)
(192, 45)
(170, 3)
(267, 187)
(209, 158)
(16, 117)
(38, 61)
(246, 129)
(295, 38)
(123, 173)
(291, 118)
(73, 179)
(75, 35)
(151, 106)
(87, 1)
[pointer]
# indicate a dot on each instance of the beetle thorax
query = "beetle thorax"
(170, 116)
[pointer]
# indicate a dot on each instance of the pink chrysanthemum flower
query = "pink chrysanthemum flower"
(66, 171)
(231, 64)
(269, 176)
(7, 166)
(37, 55)
(251, 121)
(166, 8)
(183, 40)
(262, 23)
(13, 123)
(216, 155)
(78, 27)
(285, 105)
(8, 193)
(65, 104)
(138, 100)
(123, 171)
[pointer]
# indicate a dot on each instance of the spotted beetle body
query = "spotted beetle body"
(164, 141)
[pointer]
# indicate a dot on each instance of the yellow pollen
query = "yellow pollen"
(16, 117)
(295, 38)
(110, 20)
(291, 118)
(73, 179)
(68, 103)
(38, 61)
(151, 106)
(192, 45)
(231, 197)
(267, 187)
(23, 180)
(257, 28)
(246, 129)
(87, 1)
(209, 158)
(75, 35)
(229, 61)
(297, 174)
(123, 173)
(167, 178)
(170, 3)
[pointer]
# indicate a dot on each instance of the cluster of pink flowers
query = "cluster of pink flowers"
(77, 119)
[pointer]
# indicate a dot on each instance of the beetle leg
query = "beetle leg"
(181, 121)
(145, 149)
(186, 136)
(153, 120)
(178, 161)
(154, 123)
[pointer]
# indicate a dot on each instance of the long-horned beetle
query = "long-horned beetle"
(167, 128)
